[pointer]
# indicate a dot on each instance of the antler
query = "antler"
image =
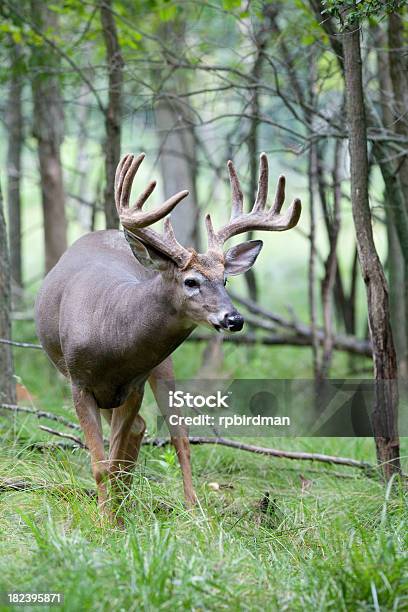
(136, 222)
(259, 218)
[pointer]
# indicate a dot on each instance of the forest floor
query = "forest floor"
(331, 538)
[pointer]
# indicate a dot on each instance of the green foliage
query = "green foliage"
(353, 11)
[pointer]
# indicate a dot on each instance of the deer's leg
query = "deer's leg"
(127, 430)
(90, 421)
(179, 434)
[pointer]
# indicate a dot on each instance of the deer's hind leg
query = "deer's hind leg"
(90, 421)
(179, 434)
(127, 430)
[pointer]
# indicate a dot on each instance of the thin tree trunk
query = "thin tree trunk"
(252, 138)
(48, 130)
(399, 78)
(384, 357)
(178, 166)
(394, 99)
(82, 164)
(113, 113)
(395, 207)
(331, 268)
(312, 262)
(14, 150)
(396, 275)
(7, 383)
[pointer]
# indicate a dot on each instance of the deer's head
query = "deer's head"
(196, 281)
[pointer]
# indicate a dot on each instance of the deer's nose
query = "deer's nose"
(233, 321)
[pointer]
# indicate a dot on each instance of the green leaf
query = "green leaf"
(231, 4)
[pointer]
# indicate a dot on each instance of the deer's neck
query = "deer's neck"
(153, 323)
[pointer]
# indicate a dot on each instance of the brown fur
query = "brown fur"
(210, 264)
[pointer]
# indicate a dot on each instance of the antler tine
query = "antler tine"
(262, 194)
(170, 236)
(144, 196)
(291, 217)
(212, 236)
(120, 174)
(128, 179)
(279, 196)
(134, 219)
(119, 169)
(237, 195)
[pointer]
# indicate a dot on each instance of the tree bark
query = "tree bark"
(7, 383)
(14, 150)
(395, 205)
(384, 357)
(178, 155)
(330, 266)
(399, 78)
(260, 40)
(113, 113)
(178, 166)
(48, 131)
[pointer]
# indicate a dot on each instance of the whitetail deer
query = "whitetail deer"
(116, 305)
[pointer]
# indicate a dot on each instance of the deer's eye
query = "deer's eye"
(191, 282)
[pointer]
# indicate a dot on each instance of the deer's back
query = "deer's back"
(81, 315)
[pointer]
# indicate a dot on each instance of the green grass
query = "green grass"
(341, 544)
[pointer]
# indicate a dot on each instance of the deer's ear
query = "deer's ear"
(240, 258)
(149, 258)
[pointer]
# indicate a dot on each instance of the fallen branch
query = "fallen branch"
(348, 344)
(62, 434)
(41, 414)
(261, 450)
(342, 342)
(11, 484)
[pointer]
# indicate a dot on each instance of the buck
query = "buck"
(117, 304)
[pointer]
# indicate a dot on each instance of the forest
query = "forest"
(305, 520)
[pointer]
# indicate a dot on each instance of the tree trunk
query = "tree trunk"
(260, 40)
(48, 130)
(14, 150)
(385, 365)
(113, 113)
(179, 166)
(7, 383)
(330, 267)
(395, 205)
(178, 155)
(399, 78)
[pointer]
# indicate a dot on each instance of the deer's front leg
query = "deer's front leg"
(179, 434)
(90, 421)
(127, 430)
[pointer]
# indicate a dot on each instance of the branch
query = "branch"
(11, 484)
(303, 332)
(41, 414)
(20, 344)
(271, 452)
(62, 434)
(348, 344)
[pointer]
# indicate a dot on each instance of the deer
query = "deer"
(117, 305)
